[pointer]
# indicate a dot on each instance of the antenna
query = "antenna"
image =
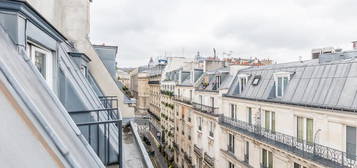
(214, 53)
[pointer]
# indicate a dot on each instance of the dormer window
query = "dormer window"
(42, 59)
(243, 79)
(281, 83)
(218, 80)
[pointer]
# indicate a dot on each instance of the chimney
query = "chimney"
(315, 53)
(354, 45)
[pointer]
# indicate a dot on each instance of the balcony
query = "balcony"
(183, 99)
(109, 101)
(206, 109)
(197, 150)
(102, 129)
(154, 82)
(312, 151)
(209, 160)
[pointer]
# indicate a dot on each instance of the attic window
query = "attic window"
(256, 80)
(218, 81)
(243, 79)
(281, 82)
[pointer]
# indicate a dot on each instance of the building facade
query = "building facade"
(56, 109)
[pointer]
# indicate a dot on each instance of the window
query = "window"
(243, 79)
(84, 70)
(296, 165)
(212, 101)
(200, 99)
(267, 159)
(270, 121)
(211, 129)
(233, 114)
(43, 61)
(281, 83)
(230, 165)
(256, 80)
(351, 142)
(199, 123)
(246, 152)
(179, 94)
(249, 115)
(218, 80)
(305, 129)
(231, 143)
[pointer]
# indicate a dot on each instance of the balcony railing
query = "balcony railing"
(183, 99)
(102, 129)
(315, 152)
(209, 160)
(205, 109)
(197, 150)
(109, 101)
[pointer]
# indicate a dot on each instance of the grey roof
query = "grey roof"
(317, 83)
(210, 79)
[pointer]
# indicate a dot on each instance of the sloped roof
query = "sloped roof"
(39, 103)
(328, 84)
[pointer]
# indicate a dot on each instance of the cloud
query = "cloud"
(281, 30)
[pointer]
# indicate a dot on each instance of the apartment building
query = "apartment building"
(60, 107)
(184, 94)
(298, 114)
(155, 94)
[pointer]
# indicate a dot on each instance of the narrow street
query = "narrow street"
(158, 157)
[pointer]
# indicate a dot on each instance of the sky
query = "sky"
(281, 30)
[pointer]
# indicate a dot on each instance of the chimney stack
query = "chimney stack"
(354, 45)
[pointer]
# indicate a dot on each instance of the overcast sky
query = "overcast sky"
(281, 30)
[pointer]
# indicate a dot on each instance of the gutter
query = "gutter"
(144, 153)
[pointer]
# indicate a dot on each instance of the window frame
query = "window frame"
(31, 49)
(245, 80)
(281, 75)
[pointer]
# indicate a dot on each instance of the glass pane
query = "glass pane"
(273, 121)
(267, 120)
(265, 158)
(286, 82)
(280, 82)
(309, 130)
(296, 165)
(40, 62)
(270, 157)
(300, 130)
(351, 142)
(250, 115)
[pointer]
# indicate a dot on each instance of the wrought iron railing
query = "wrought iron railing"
(154, 82)
(102, 129)
(205, 109)
(209, 159)
(197, 150)
(183, 99)
(109, 101)
(315, 152)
